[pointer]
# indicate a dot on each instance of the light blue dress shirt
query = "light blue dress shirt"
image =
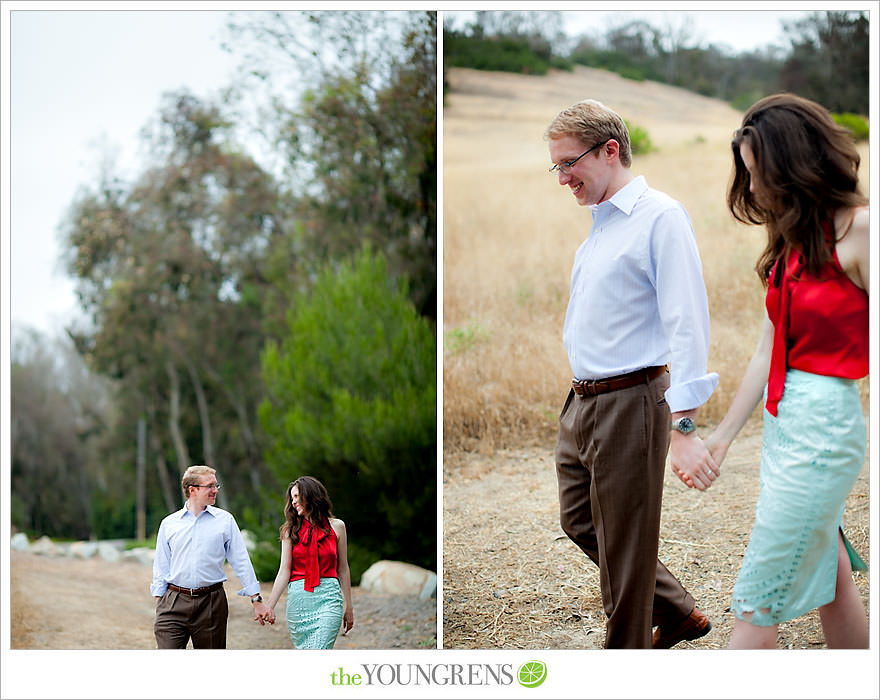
(191, 551)
(638, 298)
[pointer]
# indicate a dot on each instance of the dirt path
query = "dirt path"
(67, 603)
(513, 580)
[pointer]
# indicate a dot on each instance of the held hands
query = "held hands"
(263, 614)
(717, 448)
(692, 461)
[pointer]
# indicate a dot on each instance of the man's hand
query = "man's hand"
(691, 461)
(263, 614)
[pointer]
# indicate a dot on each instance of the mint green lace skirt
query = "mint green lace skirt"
(314, 619)
(812, 453)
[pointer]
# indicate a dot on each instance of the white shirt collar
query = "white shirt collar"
(626, 197)
(185, 510)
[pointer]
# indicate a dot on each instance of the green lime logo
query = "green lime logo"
(531, 674)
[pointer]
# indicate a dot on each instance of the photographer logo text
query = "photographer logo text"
(529, 675)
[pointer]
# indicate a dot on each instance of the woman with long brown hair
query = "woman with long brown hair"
(314, 568)
(796, 173)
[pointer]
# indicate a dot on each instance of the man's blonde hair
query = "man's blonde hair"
(592, 123)
(191, 477)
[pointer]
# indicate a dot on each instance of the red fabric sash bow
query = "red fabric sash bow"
(788, 269)
(780, 278)
(309, 535)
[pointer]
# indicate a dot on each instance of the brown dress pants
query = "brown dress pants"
(180, 616)
(610, 462)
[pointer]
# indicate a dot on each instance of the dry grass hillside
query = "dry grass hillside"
(510, 233)
(511, 578)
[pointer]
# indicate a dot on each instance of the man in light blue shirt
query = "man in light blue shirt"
(191, 548)
(637, 336)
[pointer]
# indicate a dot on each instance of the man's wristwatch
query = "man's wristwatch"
(257, 598)
(683, 425)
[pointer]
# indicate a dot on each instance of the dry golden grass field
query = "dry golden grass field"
(509, 237)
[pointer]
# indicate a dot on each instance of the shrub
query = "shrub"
(639, 139)
(265, 559)
(514, 54)
(352, 401)
(858, 125)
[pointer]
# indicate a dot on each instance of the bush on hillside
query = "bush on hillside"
(502, 53)
(639, 140)
(856, 124)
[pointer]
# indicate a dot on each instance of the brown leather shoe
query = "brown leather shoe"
(692, 627)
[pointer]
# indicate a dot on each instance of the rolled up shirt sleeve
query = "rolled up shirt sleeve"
(684, 310)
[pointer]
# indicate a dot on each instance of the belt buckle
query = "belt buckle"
(587, 387)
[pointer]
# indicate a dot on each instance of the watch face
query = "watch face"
(684, 425)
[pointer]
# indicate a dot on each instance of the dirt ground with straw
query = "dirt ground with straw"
(513, 580)
(68, 603)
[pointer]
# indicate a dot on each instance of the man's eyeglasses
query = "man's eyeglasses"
(565, 168)
(206, 486)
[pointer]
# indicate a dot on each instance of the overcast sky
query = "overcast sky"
(735, 29)
(82, 83)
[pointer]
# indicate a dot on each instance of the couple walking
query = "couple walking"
(637, 336)
(193, 544)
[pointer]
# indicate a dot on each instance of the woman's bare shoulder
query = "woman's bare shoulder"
(853, 247)
(852, 223)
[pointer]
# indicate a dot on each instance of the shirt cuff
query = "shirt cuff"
(250, 590)
(158, 589)
(691, 394)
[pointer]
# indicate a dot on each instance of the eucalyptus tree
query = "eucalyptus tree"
(170, 269)
(352, 106)
(59, 413)
(829, 59)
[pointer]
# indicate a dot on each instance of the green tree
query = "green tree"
(351, 400)
(59, 413)
(829, 60)
(352, 105)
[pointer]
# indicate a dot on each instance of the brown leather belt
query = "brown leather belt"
(594, 387)
(197, 591)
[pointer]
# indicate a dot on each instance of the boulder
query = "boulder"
(109, 551)
(250, 541)
(44, 546)
(19, 542)
(399, 578)
(142, 555)
(83, 550)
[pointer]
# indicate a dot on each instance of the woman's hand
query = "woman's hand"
(717, 447)
(347, 621)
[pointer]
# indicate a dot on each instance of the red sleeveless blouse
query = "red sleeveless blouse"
(820, 323)
(314, 555)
